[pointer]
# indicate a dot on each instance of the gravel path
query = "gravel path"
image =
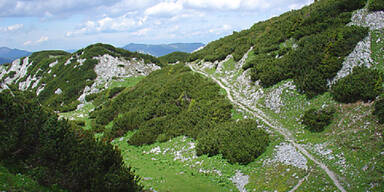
(287, 135)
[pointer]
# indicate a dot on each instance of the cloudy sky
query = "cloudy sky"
(71, 24)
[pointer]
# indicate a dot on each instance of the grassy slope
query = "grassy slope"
(352, 128)
(354, 137)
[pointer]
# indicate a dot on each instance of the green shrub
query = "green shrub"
(376, 5)
(91, 97)
(183, 102)
(12, 74)
(127, 122)
(174, 57)
(379, 109)
(80, 123)
(322, 41)
(316, 120)
(57, 152)
(363, 84)
(238, 142)
(114, 91)
(70, 107)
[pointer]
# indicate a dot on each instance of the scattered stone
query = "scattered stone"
(273, 99)
(364, 18)
(240, 180)
(58, 91)
(53, 64)
(287, 154)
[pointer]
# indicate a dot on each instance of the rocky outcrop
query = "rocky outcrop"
(273, 99)
(110, 67)
(287, 154)
(20, 68)
(361, 55)
(364, 18)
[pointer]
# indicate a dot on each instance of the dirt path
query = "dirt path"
(287, 135)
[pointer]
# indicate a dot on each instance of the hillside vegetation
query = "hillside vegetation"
(174, 102)
(55, 152)
(59, 78)
(307, 45)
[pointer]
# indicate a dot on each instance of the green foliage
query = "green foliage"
(363, 84)
(127, 122)
(316, 120)
(174, 57)
(172, 102)
(375, 5)
(91, 97)
(56, 152)
(379, 109)
(114, 91)
(238, 142)
(59, 69)
(307, 45)
(12, 74)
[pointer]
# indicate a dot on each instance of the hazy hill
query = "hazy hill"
(7, 55)
(163, 49)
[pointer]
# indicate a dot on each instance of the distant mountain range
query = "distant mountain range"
(163, 49)
(8, 55)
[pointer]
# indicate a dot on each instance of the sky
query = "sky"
(73, 24)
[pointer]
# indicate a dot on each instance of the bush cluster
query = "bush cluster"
(376, 5)
(238, 142)
(320, 39)
(363, 84)
(57, 152)
(169, 102)
(174, 58)
(379, 109)
(316, 120)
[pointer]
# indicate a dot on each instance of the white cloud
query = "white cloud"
(28, 42)
(165, 8)
(39, 41)
(42, 39)
(43, 8)
(141, 32)
(221, 29)
(12, 28)
(215, 4)
(107, 24)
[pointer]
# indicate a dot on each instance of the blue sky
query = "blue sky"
(72, 24)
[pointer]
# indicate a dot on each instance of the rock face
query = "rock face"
(364, 18)
(110, 67)
(273, 99)
(361, 55)
(20, 69)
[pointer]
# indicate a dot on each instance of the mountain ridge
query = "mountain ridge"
(7, 55)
